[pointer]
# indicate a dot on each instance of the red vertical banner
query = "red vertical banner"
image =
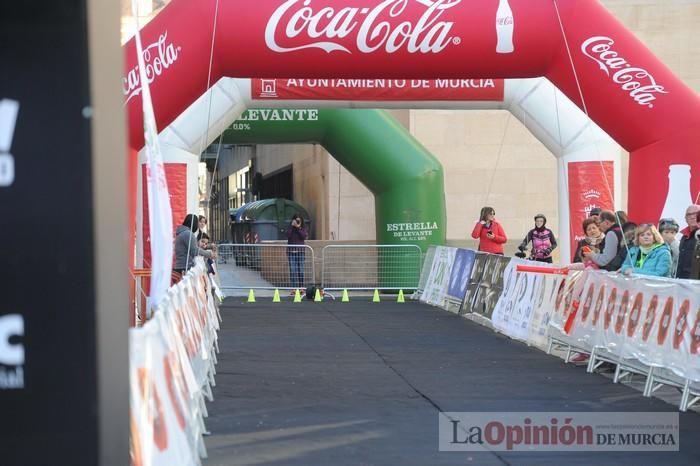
(176, 175)
(588, 189)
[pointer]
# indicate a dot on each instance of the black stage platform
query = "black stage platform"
(362, 383)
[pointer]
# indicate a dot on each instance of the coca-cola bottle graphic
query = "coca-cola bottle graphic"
(504, 28)
(678, 198)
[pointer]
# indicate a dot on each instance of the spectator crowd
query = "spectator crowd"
(611, 242)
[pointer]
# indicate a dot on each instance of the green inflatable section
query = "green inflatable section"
(406, 180)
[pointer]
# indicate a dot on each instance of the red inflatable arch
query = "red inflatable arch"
(626, 90)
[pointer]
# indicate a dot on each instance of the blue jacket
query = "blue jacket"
(657, 263)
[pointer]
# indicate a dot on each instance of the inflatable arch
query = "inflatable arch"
(627, 91)
(406, 180)
(561, 126)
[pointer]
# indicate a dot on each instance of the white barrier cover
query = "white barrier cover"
(525, 307)
(435, 291)
(656, 321)
(189, 390)
(158, 435)
(171, 363)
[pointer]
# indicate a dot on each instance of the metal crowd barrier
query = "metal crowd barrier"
(265, 266)
(351, 267)
(368, 267)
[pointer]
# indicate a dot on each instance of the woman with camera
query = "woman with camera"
(489, 232)
(296, 236)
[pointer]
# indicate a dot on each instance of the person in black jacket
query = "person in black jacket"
(686, 248)
(296, 237)
(615, 250)
(542, 239)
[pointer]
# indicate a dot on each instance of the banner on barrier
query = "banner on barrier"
(460, 274)
(378, 89)
(171, 362)
(435, 291)
(655, 321)
(526, 304)
(158, 432)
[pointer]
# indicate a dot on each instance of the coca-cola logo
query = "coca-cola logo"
(504, 21)
(681, 324)
(598, 305)
(635, 315)
(665, 322)
(638, 82)
(695, 335)
(560, 296)
(622, 312)
(157, 57)
(612, 301)
(587, 303)
(650, 318)
(295, 25)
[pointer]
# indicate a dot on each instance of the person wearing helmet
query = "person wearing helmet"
(669, 228)
(542, 239)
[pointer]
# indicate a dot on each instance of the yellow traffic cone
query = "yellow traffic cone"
(317, 296)
(276, 296)
(345, 298)
(251, 296)
(400, 299)
(297, 296)
(375, 298)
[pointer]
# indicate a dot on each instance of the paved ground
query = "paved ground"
(362, 384)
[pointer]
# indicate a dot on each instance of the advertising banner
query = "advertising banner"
(435, 291)
(160, 415)
(460, 274)
(511, 315)
(655, 321)
(159, 213)
(171, 365)
(378, 89)
(546, 287)
(591, 185)
(527, 304)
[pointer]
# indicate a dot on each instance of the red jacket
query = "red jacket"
(493, 245)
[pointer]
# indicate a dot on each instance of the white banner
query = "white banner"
(171, 368)
(160, 216)
(528, 303)
(159, 436)
(435, 291)
(655, 321)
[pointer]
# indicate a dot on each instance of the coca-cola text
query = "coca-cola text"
(298, 19)
(158, 57)
(638, 82)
